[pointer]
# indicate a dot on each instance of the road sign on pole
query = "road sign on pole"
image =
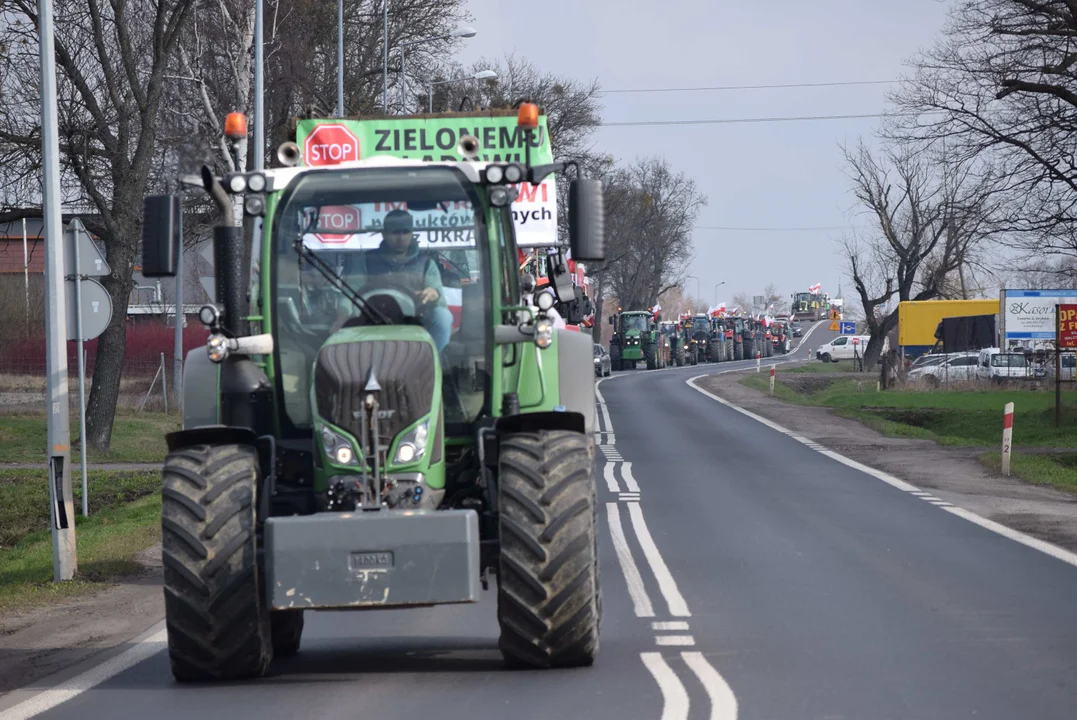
(847, 327)
(833, 325)
(61, 502)
(89, 311)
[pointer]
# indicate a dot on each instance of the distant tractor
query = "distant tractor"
(810, 306)
(634, 339)
(699, 336)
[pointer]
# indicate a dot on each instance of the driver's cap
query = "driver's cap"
(398, 221)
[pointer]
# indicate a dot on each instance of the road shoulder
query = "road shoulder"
(950, 473)
(43, 641)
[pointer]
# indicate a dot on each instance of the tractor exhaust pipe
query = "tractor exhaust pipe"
(227, 255)
(468, 147)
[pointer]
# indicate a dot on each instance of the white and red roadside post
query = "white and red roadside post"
(757, 361)
(1007, 437)
(771, 379)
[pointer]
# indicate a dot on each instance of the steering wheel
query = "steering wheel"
(394, 300)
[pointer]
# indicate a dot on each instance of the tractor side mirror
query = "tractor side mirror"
(587, 220)
(162, 225)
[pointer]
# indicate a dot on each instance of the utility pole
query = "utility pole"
(61, 501)
(385, 57)
(259, 88)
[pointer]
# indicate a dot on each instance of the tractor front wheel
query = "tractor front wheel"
(218, 625)
(549, 601)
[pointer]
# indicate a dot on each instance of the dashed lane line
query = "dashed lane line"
(666, 584)
(675, 640)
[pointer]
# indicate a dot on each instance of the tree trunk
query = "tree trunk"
(112, 345)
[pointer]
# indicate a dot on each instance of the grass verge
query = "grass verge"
(1058, 471)
(136, 437)
(125, 518)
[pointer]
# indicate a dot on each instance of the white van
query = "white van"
(846, 347)
(1002, 366)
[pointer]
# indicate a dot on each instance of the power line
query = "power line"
(749, 87)
(777, 229)
(750, 120)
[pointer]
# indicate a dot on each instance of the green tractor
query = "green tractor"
(350, 444)
(699, 332)
(635, 338)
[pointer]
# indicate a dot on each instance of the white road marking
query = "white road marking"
(674, 697)
(672, 625)
(675, 640)
(641, 602)
(723, 701)
(630, 480)
(677, 606)
(611, 481)
(1054, 551)
(48, 699)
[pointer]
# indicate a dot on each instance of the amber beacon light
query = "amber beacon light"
(235, 125)
(527, 117)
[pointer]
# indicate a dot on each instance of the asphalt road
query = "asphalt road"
(745, 575)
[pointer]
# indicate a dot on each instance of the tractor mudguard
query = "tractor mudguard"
(389, 558)
(201, 390)
(210, 435)
(532, 421)
(576, 384)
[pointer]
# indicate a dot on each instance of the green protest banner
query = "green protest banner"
(326, 141)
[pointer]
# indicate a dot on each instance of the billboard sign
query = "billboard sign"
(1028, 317)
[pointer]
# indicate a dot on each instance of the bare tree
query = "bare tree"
(112, 59)
(1002, 84)
(930, 217)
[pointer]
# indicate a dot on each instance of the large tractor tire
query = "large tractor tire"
(678, 353)
(650, 354)
(218, 625)
(615, 358)
(738, 350)
(749, 348)
(710, 353)
(549, 599)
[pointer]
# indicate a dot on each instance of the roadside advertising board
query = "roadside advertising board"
(1027, 317)
(1067, 326)
(332, 141)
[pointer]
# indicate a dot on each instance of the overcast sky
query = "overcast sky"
(759, 175)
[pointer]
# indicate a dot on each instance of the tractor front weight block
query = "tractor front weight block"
(385, 558)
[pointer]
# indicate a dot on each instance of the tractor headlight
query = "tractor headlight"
(337, 447)
(544, 332)
(413, 445)
(217, 347)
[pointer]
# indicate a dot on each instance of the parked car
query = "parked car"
(999, 366)
(602, 361)
(846, 347)
(950, 368)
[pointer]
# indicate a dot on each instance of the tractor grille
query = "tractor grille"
(404, 370)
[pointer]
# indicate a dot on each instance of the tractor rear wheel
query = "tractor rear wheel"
(650, 354)
(218, 625)
(549, 602)
(738, 351)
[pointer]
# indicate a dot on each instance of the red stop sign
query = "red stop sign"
(330, 144)
(336, 223)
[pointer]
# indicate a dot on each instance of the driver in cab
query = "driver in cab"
(399, 261)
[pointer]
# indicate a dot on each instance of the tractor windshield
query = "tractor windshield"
(635, 322)
(376, 247)
(701, 325)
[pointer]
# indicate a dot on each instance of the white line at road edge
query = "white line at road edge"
(1045, 547)
(674, 696)
(636, 589)
(48, 699)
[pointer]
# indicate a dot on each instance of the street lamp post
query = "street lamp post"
(716, 291)
(464, 32)
(480, 75)
(693, 277)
